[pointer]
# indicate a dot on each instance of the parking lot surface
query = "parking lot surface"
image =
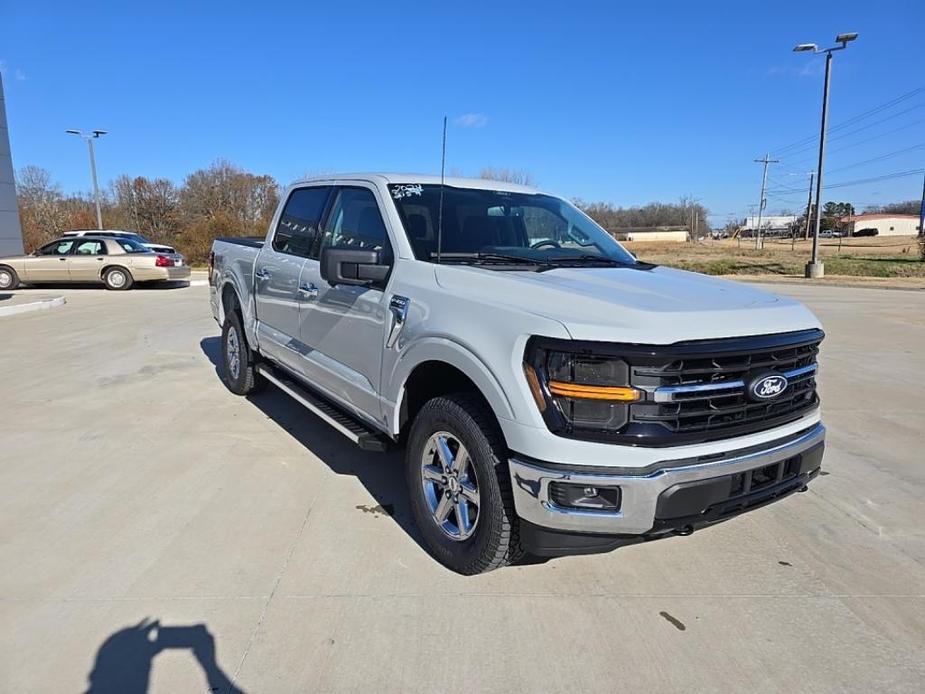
(159, 534)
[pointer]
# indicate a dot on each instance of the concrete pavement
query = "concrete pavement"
(267, 554)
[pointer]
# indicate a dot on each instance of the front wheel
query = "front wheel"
(460, 487)
(8, 278)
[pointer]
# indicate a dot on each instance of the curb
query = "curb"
(32, 306)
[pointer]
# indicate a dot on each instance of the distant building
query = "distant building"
(885, 224)
(669, 234)
(779, 222)
(10, 229)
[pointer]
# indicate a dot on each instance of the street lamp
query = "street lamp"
(814, 268)
(95, 134)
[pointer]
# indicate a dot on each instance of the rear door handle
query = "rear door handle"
(62, 259)
(310, 290)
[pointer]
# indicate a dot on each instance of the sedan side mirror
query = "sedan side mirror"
(353, 266)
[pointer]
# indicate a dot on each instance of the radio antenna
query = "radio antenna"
(440, 208)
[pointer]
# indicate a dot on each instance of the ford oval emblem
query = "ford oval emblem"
(768, 386)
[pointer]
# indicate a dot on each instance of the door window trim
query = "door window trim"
(355, 185)
(322, 217)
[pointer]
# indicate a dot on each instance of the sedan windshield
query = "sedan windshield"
(499, 226)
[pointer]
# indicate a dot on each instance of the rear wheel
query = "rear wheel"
(460, 487)
(8, 278)
(118, 279)
(239, 362)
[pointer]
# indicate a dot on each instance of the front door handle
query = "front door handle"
(262, 274)
(309, 290)
(62, 259)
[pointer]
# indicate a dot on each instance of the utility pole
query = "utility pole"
(762, 201)
(96, 189)
(922, 211)
(809, 206)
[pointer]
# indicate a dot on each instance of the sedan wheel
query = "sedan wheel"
(8, 279)
(117, 279)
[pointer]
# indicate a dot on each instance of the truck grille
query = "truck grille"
(701, 390)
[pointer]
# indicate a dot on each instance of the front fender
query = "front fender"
(442, 349)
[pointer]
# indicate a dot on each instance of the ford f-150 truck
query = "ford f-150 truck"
(554, 395)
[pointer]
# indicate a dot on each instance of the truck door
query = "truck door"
(277, 271)
(344, 326)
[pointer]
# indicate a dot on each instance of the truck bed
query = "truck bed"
(233, 260)
(251, 241)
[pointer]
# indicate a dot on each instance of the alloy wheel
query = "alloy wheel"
(451, 487)
(233, 353)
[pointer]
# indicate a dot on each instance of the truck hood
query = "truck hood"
(657, 306)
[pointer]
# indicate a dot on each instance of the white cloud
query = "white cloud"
(8, 71)
(471, 120)
(809, 69)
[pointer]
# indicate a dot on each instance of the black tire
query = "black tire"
(8, 278)
(495, 538)
(111, 278)
(244, 379)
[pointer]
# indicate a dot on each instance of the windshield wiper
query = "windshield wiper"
(478, 258)
(587, 258)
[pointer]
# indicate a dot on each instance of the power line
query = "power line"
(880, 158)
(861, 142)
(857, 130)
(885, 177)
(854, 119)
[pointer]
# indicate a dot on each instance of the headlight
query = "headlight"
(579, 392)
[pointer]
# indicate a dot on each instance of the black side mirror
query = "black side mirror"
(352, 266)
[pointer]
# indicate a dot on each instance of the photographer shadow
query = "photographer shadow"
(123, 662)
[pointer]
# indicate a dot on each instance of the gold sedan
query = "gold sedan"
(116, 262)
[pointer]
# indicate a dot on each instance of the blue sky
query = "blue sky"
(624, 102)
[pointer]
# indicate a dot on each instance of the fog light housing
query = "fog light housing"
(585, 496)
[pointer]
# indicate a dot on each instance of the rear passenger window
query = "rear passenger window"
(355, 222)
(297, 230)
(91, 248)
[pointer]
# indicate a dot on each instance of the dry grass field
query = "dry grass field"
(888, 257)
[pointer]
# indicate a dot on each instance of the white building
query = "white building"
(669, 234)
(885, 224)
(770, 222)
(10, 230)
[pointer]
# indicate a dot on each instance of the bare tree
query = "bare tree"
(524, 178)
(41, 206)
(150, 206)
(907, 207)
(685, 213)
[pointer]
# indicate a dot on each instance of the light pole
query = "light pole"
(814, 268)
(96, 189)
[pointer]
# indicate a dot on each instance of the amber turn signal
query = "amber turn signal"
(534, 382)
(583, 392)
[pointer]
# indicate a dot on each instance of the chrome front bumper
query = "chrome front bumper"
(639, 492)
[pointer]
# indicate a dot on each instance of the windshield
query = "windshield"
(531, 227)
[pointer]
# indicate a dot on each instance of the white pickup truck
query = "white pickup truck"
(553, 394)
